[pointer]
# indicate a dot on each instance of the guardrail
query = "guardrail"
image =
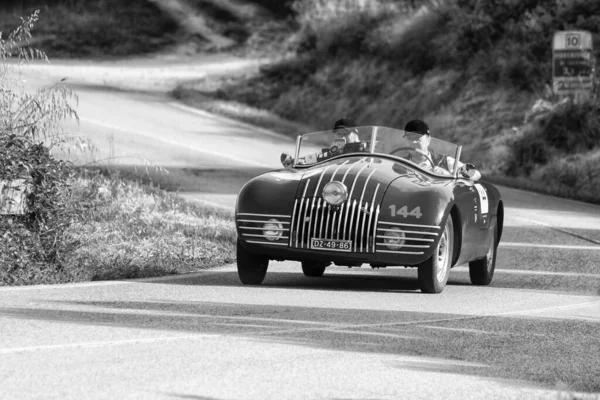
(13, 197)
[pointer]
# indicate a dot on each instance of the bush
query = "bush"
(29, 127)
(573, 128)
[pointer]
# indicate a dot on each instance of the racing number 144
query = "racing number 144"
(416, 212)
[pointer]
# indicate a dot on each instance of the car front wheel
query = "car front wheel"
(313, 269)
(434, 272)
(251, 267)
(481, 271)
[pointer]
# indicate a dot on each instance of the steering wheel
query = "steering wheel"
(399, 149)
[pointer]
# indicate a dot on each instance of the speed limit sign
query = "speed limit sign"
(573, 63)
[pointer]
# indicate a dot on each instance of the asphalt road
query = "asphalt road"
(352, 334)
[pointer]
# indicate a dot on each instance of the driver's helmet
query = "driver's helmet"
(345, 129)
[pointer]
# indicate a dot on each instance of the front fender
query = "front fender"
(270, 193)
(422, 211)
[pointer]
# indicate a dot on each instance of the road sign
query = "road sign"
(572, 63)
(13, 196)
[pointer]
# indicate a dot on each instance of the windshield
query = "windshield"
(430, 154)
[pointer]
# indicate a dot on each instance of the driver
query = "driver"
(345, 132)
(417, 131)
(345, 128)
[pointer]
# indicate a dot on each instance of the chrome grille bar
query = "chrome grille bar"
(257, 228)
(263, 215)
(300, 211)
(360, 207)
(350, 196)
(267, 242)
(316, 191)
(292, 224)
(261, 236)
(261, 221)
(337, 169)
(374, 225)
(362, 228)
(342, 208)
(317, 214)
(410, 225)
(403, 231)
(370, 217)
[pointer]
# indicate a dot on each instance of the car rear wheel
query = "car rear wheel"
(313, 269)
(482, 271)
(434, 272)
(251, 267)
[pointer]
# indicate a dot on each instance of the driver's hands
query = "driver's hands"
(421, 159)
(286, 160)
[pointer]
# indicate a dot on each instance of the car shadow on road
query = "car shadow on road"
(338, 281)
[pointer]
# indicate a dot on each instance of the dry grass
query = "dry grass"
(139, 231)
(133, 231)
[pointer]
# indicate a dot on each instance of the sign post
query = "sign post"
(572, 64)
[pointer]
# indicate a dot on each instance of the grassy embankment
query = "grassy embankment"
(472, 70)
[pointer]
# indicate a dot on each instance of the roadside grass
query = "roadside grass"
(131, 230)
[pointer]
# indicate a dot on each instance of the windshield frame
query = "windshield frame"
(374, 131)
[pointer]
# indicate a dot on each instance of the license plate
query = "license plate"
(329, 244)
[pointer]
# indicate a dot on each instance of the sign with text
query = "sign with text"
(13, 197)
(572, 63)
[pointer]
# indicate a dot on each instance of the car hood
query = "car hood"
(366, 178)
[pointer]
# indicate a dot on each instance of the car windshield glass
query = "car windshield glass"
(430, 154)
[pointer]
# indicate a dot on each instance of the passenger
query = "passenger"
(418, 132)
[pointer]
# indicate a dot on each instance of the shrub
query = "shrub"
(29, 127)
(573, 127)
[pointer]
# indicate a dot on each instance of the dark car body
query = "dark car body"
(386, 195)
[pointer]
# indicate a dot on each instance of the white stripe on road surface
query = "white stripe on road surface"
(104, 343)
(548, 246)
(231, 121)
(179, 144)
(532, 272)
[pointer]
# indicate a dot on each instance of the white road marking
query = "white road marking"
(105, 343)
(548, 246)
(241, 124)
(178, 143)
(467, 330)
(430, 321)
(534, 272)
(566, 231)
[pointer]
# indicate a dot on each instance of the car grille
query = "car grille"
(251, 228)
(353, 220)
(418, 238)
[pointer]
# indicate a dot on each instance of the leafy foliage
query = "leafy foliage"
(29, 127)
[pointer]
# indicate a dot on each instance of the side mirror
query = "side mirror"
(469, 171)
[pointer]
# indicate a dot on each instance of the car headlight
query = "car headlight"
(335, 193)
(394, 238)
(272, 229)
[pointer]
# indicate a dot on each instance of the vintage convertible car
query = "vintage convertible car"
(382, 200)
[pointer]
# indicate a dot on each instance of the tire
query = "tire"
(251, 267)
(482, 271)
(434, 272)
(313, 269)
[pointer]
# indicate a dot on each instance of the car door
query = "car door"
(471, 200)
